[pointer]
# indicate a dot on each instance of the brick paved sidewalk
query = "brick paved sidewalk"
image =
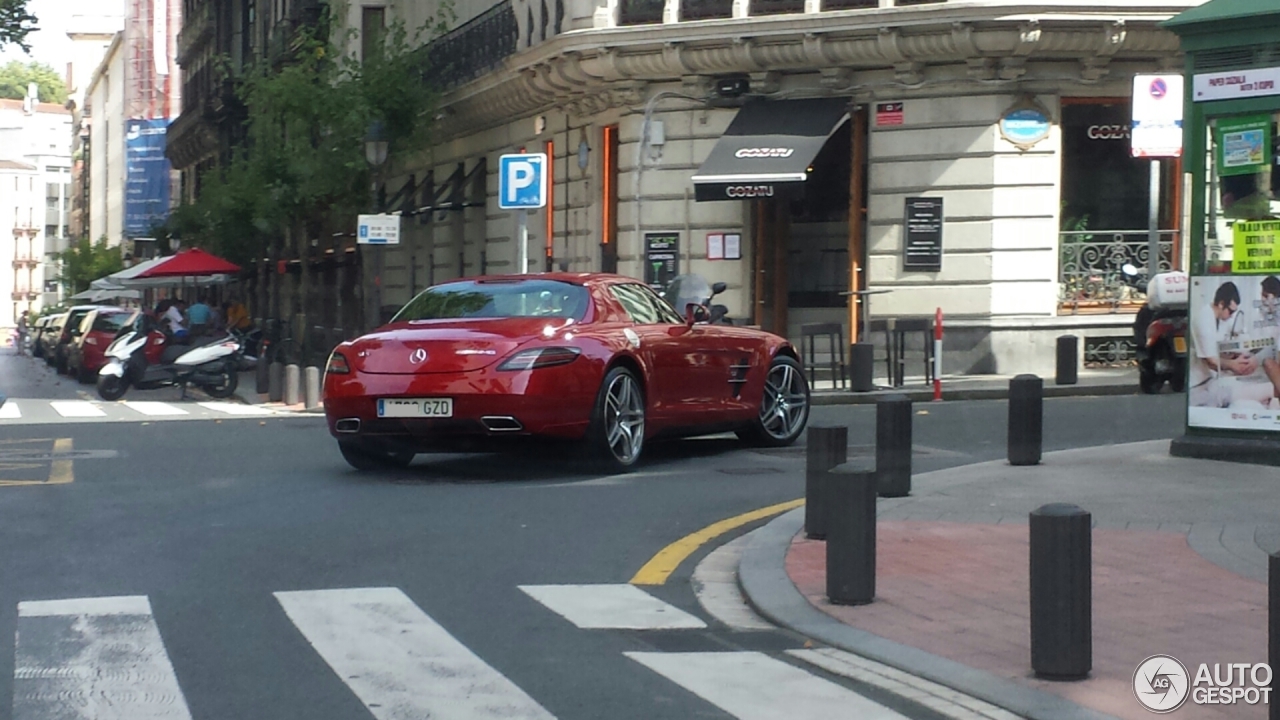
(960, 591)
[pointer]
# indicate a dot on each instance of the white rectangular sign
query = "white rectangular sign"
(1157, 116)
(378, 230)
(1236, 84)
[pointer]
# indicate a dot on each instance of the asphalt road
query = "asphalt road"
(208, 519)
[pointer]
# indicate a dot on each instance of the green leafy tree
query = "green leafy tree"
(85, 262)
(301, 176)
(15, 76)
(15, 23)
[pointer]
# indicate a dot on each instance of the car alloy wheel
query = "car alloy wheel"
(785, 405)
(624, 418)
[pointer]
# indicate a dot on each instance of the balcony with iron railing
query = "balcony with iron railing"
(197, 29)
(1089, 268)
(648, 12)
(473, 48)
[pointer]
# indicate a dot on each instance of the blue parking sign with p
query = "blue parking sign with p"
(522, 181)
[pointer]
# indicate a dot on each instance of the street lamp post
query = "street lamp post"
(375, 153)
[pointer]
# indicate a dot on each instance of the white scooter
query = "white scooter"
(144, 357)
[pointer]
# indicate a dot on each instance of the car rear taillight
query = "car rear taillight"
(338, 364)
(540, 358)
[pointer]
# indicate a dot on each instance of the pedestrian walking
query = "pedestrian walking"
(23, 330)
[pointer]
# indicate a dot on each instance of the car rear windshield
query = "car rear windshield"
(519, 298)
(110, 322)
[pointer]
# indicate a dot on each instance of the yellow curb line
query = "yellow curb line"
(660, 566)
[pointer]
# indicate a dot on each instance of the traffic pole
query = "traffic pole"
(937, 355)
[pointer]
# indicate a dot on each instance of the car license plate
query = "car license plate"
(415, 407)
(1180, 345)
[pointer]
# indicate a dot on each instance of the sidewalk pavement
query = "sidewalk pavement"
(1179, 568)
(1109, 381)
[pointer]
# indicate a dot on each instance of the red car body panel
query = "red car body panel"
(698, 378)
(88, 352)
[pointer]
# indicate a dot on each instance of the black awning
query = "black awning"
(767, 150)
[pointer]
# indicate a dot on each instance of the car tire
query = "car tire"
(784, 406)
(362, 457)
(84, 376)
(615, 438)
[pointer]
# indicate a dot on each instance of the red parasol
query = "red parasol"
(189, 263)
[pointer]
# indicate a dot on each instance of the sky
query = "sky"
(49, 43)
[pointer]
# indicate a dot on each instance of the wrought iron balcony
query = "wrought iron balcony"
(640, 12)
(473, 48)
(1089, 263)
(707, 9)
(849, 4)
(775, 7)
(197, 28)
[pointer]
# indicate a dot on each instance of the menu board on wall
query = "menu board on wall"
(662, 254)
(922, 234)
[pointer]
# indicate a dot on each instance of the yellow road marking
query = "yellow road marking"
(61, 471)
(660, 566)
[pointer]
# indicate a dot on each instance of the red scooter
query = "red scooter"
(1160, 329)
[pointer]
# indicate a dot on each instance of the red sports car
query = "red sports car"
(484, 363)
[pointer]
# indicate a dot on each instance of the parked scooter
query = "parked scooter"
(1160, 329)
(146, 358)
(686, 290)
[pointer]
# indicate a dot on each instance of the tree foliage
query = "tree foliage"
(15, 23)
(15, 76)
(302, 169)
(85, 262)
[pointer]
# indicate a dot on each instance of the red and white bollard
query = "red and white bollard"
(937, 355)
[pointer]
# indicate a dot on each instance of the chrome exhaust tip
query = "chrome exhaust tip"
(347, 425)
(501, 423)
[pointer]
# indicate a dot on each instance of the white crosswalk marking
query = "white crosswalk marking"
(235, 409)
(618, 607)
(77, 408)
(154, 409)
(399, 661)
(10, 411)
(93, 658)
(754, 686)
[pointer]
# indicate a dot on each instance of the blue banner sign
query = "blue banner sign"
(146, 187)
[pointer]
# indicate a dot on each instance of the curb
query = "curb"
(837, 397)
(762, 576)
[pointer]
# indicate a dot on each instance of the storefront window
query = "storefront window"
(1241, 235)
(1105, 204)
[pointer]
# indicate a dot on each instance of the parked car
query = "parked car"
(37, 329)
(85, 354)
(69, 333)
(49, 337)
(485, 363)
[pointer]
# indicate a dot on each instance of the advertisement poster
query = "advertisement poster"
(1233, 373)
(1244, 144)
(1255, 247)
(662, 255)
(146, 186)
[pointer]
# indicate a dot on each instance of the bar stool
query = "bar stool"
(834, 333)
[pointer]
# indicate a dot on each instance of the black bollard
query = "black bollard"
(851, 533)
(261, 377)
(893, 446)
(825, 447)
(1273, 628)
(861, 364)
(1061, 592)
(1026, 419)
(275, 382)
(1068, 366)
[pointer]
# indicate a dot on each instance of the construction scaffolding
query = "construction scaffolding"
(153, 88)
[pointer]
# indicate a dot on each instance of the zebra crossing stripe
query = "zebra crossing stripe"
(754, 686)
(399, 662)
(10, 411)
(77, 408)
(93, 658)
(153, 409)
(615, 607)
(235, 408)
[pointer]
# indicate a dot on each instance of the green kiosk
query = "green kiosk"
(1232, 153)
